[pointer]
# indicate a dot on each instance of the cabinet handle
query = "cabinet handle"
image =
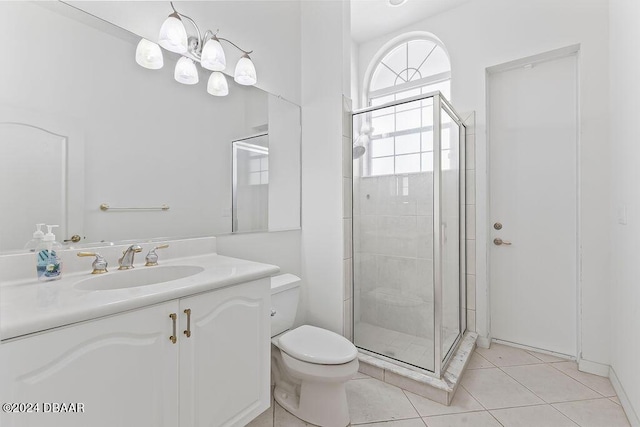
(173, 337)
(188, 331)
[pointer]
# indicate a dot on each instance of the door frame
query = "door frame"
(572, 50)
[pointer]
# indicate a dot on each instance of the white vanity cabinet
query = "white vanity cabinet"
(122, 369)
(225, 363)
(126, 371)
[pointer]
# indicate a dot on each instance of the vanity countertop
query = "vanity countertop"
(32, 306)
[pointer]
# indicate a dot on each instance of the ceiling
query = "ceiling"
(374, 18)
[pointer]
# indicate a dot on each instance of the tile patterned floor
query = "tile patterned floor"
(503, 387)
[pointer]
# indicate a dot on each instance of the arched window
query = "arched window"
(400, 139)
(413, 67)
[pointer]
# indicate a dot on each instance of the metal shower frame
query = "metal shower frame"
(439, 103)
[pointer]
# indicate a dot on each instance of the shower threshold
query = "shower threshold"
(440, 390)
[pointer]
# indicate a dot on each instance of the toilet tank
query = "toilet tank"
(285, 290)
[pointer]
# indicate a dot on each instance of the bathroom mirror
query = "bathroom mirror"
(251, 184)
(155, 154)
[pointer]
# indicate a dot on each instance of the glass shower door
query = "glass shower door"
(408, 231)
(393, 232)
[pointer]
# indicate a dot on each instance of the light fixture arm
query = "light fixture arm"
(197, 49)
(246, 52)
(201, 41)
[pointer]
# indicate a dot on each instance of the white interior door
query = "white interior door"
(533, 204)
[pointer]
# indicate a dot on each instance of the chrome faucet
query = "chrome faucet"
(126, 262)
(152, 256)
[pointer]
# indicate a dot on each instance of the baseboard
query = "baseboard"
(624, 399)
(483, 342)
(594, 368)
(534, 349)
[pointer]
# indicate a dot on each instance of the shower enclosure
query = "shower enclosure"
(409, 232)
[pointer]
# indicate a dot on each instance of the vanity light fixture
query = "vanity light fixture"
(149, 55)
(207, 50)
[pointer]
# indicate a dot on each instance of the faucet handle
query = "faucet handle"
(152, 256)
(99, 264)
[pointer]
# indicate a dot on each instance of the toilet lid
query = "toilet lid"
(316, 345)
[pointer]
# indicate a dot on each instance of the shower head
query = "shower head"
(359, 145)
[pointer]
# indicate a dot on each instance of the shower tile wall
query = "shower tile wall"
(347, 185)
(470, 124)
(393, 239)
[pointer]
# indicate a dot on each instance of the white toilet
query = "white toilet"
(310, 366)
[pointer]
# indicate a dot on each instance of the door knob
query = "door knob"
(75, 239)
(498, 241)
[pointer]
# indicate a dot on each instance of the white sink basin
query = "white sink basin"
(137, 277)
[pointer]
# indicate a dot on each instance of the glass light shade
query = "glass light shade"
(245, 72)
(149, 55)
(186, 71)
(217, 84)
(213, 56)
(173, 36)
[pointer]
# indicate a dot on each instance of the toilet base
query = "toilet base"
(314, 393)
(308, 407)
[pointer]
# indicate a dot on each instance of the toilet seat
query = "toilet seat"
(317, 346)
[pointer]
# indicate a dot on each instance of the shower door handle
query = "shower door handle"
(498, 242)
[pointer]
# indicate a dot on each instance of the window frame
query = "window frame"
(422, 84)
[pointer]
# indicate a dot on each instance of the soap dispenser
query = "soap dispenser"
(38, 235)
(48, 262)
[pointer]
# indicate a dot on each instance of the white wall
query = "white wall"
(483, 33)
(325, 77)
(625, 152)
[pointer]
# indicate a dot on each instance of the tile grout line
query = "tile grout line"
(472, 396)
(383, 421)
(549, 403)
(413, 406)
(532, 392)
(519, 406)
(545, 403)
(494, 417)
(564, 415)
(483, 358)
(463, 413)
(575, 379)
(551, 365)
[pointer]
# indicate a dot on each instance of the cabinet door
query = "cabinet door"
(121, 369)
(225, 364)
